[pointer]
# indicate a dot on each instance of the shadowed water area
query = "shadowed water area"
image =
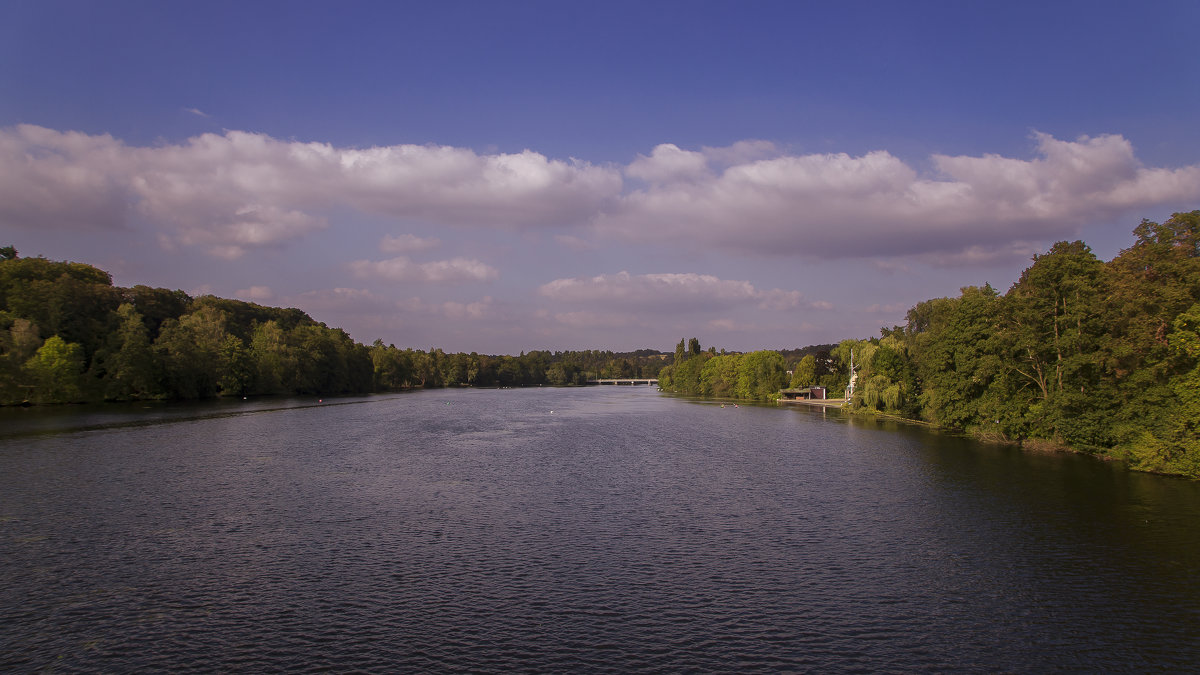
(599, 529)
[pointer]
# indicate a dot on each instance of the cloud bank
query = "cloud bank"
(401, 269)
(237, 191)
(836, 205)
(229, 193)
(624, 298)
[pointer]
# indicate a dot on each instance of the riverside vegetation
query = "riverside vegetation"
(1099, 357)
(68, 335)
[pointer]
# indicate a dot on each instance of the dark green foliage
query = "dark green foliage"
(755, 376)
(142, 343)
(156, 305)
(1100, 357)
(70, 300)
(1095, 356)
(128, 366)
(55, 371)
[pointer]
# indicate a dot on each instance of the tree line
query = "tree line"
(1100, 357)
(754, 376)
(68, 335)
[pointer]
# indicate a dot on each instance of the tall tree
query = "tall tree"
(56, 369)
(190, 349)
(129, 364)
(1053, 325)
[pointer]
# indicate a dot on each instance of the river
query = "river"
(602, 529)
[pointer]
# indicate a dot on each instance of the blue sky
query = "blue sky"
(506, 176)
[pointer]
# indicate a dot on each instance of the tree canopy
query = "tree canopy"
(1101, 357)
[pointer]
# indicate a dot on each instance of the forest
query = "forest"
(1099, 357)
(68, 335)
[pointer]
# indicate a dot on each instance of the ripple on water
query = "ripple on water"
(473, 531)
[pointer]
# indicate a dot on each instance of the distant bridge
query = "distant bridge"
(632, 380)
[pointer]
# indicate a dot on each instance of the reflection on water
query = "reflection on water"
(605, 529)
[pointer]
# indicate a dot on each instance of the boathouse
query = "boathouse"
(803, 394)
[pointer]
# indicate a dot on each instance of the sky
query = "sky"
(506, 176)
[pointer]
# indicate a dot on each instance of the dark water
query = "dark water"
(581, 530)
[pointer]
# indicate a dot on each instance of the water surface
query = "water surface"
(600, 529)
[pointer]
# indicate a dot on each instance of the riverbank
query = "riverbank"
(815, 403)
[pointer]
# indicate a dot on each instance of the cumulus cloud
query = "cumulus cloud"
(467, 310)
(236, 191)
(982, 256)
(478, 309)
(441, 271)
(667, 293)
(893, 308)
(255, 293)
(232, 192)
(669, 163)
(340, 300)
(594, 319)
(836, 205)
(44, 181)
(576, 244)
(407, 243)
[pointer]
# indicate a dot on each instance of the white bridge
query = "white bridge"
(631, 381)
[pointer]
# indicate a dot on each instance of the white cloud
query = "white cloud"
(197, 112)
(983, 256)
(893, 308)
(232, 192)
(239, 190)
(835, 205)
(407, 243)
(668, 163)
(669, 293)
(576, 244)
(45, 182)
(478, 309)
(255, 293)
(441, 271)
(340, 300)
(590, 319)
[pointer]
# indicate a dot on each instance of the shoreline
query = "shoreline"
(815, 403)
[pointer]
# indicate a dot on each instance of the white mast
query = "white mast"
(853, 377)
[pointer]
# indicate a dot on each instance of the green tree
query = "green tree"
(156, 305)
(130, 365)
(761, 375)
(955, 346)
(56, 369)
(236, 370)
(1053, 327)
(719, 376)
(190, 350)
(272, 361)
(18, 343)
(804, 374)
(1149, 285)
(71, 300)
